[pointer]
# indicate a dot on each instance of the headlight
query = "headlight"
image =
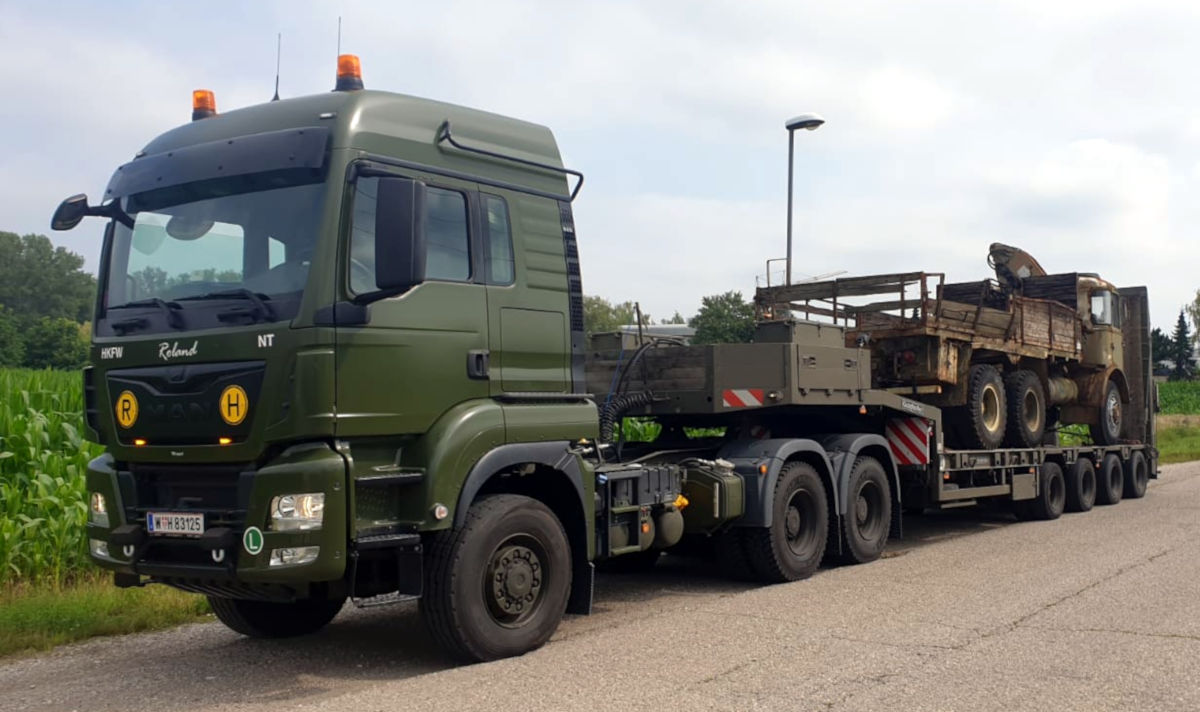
(99, 510)
(294, 556)
(99, 548)
(297, 512)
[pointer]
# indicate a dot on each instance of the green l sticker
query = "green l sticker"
(252, 539)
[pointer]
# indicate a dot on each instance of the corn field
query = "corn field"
(43, 461)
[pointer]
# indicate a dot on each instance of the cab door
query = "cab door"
(418, 353)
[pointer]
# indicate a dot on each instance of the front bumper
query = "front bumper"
(233, 499)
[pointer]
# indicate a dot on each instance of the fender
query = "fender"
(554, 455)
(843, 450)
(747, 455)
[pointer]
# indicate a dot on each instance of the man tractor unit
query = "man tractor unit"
(338, 352)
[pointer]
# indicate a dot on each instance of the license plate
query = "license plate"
(176, 523)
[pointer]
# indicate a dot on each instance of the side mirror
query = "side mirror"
(70, 212)
(399, 234)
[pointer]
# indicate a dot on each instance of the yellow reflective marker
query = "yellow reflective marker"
(234, 404)
(127, 409)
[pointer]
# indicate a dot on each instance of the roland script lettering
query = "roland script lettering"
(172, 350)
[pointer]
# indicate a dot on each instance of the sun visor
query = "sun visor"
(301, 149)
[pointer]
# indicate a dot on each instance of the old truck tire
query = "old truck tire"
(980, 424)
(267, 619)
(1026, 409)
(1052, 495)
(791, 548)
(868, 517)
(1110, 480)
(1081, 485)
(1137, 476)
(1108, 430)
(498, 585)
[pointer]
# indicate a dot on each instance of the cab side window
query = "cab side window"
(498, 244)
(447, 249)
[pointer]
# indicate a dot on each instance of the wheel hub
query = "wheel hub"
(792, 522)
(516, 579)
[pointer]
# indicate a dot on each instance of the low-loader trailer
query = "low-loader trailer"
(338, 352)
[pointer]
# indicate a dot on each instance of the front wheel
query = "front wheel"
(1108, 430)
(791, 548)
(269, 619)
(498, 585)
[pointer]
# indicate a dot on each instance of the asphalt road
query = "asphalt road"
(973, 611)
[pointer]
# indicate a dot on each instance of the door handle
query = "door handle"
(477, 364)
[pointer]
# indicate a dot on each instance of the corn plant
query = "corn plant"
(43, 460)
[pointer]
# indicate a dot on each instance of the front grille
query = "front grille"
(191, 487)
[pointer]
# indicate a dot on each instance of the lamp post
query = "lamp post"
(808, 122)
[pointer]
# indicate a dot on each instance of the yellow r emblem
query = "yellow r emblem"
(127, 409)
(234, 404)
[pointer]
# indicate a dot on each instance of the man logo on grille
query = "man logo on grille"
(234, 404)
(127, 409)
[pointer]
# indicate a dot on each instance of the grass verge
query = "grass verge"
(1178, 444)
(37, 617)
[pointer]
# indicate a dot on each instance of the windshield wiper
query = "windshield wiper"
(170, 309)
(258, 299)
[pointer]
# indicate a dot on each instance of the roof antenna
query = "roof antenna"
(339, 36)
(278, 52)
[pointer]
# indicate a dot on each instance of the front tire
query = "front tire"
(498, 585)
(269, 619)
(868, 518)
(791, 548)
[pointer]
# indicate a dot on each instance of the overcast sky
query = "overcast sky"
(1071, 129)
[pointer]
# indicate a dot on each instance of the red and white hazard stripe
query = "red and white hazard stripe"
(909, 438)
(742, 397)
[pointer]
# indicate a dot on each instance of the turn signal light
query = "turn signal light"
(349, 73)
(204, 104)
(224, 441)
(139, 442)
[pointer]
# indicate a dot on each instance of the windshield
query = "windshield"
(205, 238)
(1104, 308)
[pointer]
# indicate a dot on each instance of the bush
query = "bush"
(1179, 397)
(55, 343)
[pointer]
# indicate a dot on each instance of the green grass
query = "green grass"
(1179, 397)
(37, 617)
(1179, 444)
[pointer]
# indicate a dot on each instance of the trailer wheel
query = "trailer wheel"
(269, 619)
(981, 422)
(1026, 409)
(868, 517)
(1108, 431)
(1081, 485)
(791, 548)
(1052, 495)
(1110, 480)
(498, 585)
(1137, 476)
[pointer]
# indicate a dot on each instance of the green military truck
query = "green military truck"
(338, 352)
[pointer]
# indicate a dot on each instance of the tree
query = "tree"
(723, 319)
(55, 343)
(1161, 345)
(38, 279)
(1181, 350)
(12, 344)
(601, 316)
(677, 319)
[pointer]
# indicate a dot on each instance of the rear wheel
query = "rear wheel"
(1110, 480)
(1026, 409)
(1081, 485)
(268, 619)
(868, 517)
(1137, 476)
(1108, 430)
(498, 585)
(980, 424)
(791, 548)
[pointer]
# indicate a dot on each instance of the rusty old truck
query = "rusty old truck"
(1006, 359)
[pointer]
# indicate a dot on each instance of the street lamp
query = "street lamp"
(808, 122)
